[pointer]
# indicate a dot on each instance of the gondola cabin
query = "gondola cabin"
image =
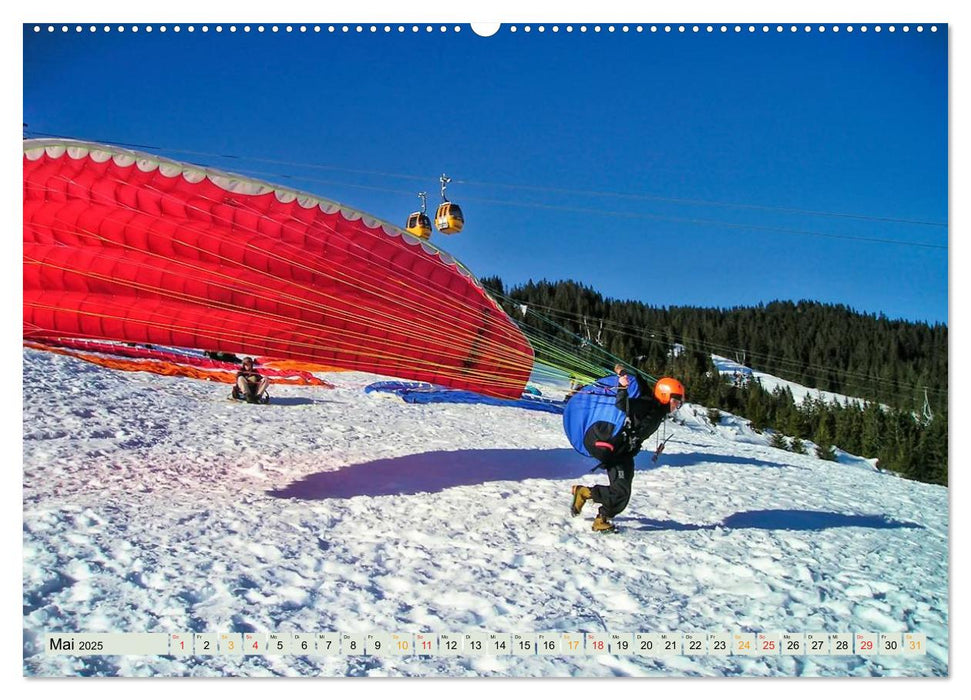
(419, 225)
(449, 218)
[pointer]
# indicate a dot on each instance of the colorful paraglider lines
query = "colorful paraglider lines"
(292, 300)
(232, 285)
(554, 359)
(458, 312)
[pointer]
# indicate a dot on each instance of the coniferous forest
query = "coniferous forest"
(899, 368)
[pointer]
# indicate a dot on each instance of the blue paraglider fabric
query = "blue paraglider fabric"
(422, 392)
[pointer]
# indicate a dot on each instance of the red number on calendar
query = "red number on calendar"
(866, 646)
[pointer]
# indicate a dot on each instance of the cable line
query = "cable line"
(578, 193)
(898, 387)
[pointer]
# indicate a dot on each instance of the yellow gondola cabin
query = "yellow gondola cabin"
(448, 218)
(418, 223)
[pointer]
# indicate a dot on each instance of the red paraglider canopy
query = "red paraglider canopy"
(120, 245)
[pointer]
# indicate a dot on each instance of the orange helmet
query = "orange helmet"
(668, 388)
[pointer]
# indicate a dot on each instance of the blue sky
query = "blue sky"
(704, 169)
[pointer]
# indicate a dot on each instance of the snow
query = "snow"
(155, 504)
(799, 393)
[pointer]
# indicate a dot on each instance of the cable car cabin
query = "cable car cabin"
(449, 218)
(419, 225)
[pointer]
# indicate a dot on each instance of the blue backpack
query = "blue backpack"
(596, 403)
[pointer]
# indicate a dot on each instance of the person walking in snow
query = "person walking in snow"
(250, 385)
(615, 449)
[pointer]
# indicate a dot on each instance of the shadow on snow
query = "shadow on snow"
(429, 472)
(286, 401)
(692, 458)
(777, 520)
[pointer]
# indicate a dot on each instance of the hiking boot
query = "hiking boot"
(581, 494)
(601, 524)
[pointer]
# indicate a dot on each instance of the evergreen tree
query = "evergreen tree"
(871, 430)
(795, 425)
(824, 444)
(755, 406)
(847, 420)
(932, 450)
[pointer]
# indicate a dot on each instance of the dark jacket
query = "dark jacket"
(644, 416)
(251, 375)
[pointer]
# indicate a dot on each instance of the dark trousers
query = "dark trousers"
(614, 497)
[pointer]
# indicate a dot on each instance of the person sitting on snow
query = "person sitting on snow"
(250, 384)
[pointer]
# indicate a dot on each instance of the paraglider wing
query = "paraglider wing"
(124, 246)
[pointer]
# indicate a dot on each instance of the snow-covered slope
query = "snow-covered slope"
(731, 368)
(155, 504)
